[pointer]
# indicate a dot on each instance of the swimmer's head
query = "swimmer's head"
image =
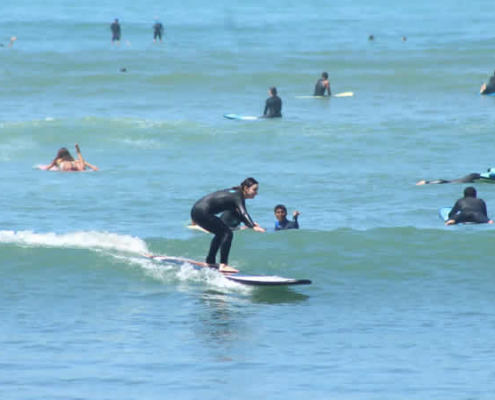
(273, 91)
(371, 37)
(280, 212)
(324, 75)
(64, 154)
(470, 192)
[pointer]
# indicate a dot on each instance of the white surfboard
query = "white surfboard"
(240, 117)
(343, 94)
(246, 279)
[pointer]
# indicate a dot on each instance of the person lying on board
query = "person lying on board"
(273, 105)
(488, 88)
(469, 209)
(64, 161)
(282, 222)
(487, 176)
(322, 85)
(234, 199)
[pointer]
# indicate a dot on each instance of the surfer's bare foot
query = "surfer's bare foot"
(421, 183)
(227, 268)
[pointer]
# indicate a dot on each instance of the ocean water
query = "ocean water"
(401, 307)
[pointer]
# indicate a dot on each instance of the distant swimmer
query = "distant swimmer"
(322, 85)
(470, 178)
(371, 37)
(204, 211)
(273, 105)
(282, 222)
(487, 177)
(157, 30)
(64, 161)
(115, 28)
(469, 209)
(488, 88)
(404, 38)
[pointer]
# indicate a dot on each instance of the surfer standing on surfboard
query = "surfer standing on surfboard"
(203, 214)
(322, 84)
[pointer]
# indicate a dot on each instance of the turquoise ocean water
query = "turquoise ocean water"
(401, 307)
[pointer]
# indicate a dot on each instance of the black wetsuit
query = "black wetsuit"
(282, 226)
(157, 30)
(231, 218)
(203, 214)
(115, 28)
(469, 209)
(273, 107)
(490, 86)
(470, 178)
(320, 88)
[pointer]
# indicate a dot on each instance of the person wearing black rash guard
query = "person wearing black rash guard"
(488, 88)
(322, 84)
(282, 222)
(203, 214)
(470, 178)
(115, 28)
(469, 209)
(273, 105)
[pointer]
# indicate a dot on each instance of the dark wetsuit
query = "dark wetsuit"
(273, 107)
(469, 209)
(157, 30)
(282, 226)
(465, 179)
(115, 28)
(320, 88)
(490, 86)
(203, 214)
(231, 218)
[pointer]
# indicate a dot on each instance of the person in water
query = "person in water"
(470, 178)
(115, 28)
(273, 105)
(282, 222)
(66, 163)
(469, 209)
(488, 88)
(157, 30)
(322, 85)
(203, 214)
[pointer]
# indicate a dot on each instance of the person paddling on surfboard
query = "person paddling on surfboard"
(488, 88)
(64, 161)
(322, 85)
(469, 209)
(273, 105)
(203, 214)
(470, 178)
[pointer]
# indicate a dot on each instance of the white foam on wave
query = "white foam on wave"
(82, 240)
(185, 274)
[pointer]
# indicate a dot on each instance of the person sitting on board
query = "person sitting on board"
(203, 214)
(488, 88)
(322, 85)
(273, 105)
(469, 209)
(64, 161)
(282, 222)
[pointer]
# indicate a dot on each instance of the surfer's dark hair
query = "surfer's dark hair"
(324, 75)
(273, 90)
(246, 183)
(470, 191)
(280, 207)
(64, 154)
